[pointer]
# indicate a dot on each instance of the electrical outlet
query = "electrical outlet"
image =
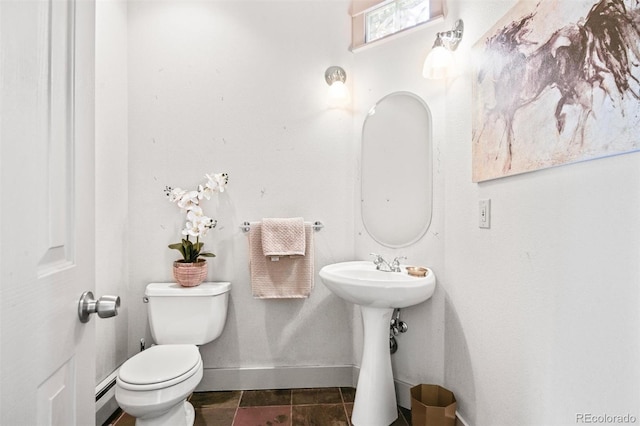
(484, 213)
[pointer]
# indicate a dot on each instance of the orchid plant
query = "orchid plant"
(197, 224)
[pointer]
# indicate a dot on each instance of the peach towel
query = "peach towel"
(283, 237)
(288, 278)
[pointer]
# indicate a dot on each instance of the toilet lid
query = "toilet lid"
(160, 363)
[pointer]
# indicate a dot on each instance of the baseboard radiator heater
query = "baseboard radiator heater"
(106, 403)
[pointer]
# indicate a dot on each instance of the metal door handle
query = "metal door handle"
(105, 307)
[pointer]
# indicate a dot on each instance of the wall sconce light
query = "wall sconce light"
(439, 61)
(338, 92)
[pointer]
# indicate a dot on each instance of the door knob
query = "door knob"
(105, 307)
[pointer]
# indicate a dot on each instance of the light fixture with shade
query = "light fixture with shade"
(439, 62)
(338, 92)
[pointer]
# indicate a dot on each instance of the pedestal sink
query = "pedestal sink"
(377, 293)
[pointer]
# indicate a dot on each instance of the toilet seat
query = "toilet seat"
(159, 367)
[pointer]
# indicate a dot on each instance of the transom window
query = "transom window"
(374, 20)
(393, 16)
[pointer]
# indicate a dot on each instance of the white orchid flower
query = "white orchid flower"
(197, 223)
(216, 182)
(205, 224)
(204, 192)
(194, 212)
(222, 179)
(189, 200)
(190, 229)
(176, 194)
(209, 187)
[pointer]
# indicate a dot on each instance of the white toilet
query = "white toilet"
(153, 385)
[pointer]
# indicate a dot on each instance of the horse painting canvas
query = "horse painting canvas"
(556, 82)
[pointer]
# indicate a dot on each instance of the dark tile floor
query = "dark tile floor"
(282, 407)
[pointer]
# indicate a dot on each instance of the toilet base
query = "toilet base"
(180, 415)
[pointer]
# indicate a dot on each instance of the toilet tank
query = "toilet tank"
(187, 315)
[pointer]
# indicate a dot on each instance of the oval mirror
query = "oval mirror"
(396, 170)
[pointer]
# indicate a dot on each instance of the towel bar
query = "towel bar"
(317, 225)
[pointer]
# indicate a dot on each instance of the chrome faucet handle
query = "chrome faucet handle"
(395, 265)
(381, 264)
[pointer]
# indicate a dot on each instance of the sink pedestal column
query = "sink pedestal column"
(375, 403)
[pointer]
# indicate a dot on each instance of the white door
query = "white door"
(46, 211)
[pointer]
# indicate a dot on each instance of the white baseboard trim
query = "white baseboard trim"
(403, 393)
(461, 419)
(215, 379)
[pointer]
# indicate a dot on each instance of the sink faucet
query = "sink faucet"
(395, 264)
(383, 265)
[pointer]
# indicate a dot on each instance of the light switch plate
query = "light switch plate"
(484, 213)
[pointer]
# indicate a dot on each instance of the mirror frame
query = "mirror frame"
(428, 186)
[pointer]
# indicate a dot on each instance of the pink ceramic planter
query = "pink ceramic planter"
(189, 274)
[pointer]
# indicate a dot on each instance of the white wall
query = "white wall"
(542, 315)
(111, 195)
(239, 87)
(536, 319)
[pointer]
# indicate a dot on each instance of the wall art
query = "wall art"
(556, 82)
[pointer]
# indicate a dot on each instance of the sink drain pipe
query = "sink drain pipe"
(396, 327)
